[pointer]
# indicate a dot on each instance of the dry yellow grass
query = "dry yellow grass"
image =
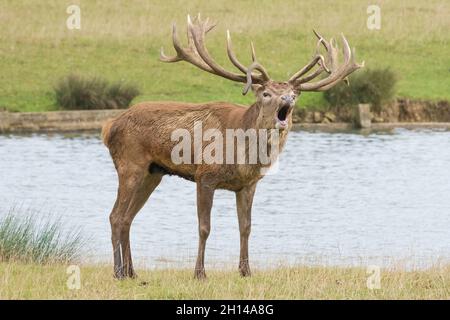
(25, 281)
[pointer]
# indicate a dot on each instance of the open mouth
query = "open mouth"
(282, 116)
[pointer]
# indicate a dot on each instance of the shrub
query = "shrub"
(369, 86)
(28, 239)
(77, 92)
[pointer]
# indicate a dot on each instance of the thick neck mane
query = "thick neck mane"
(251, 117)
(251, 120)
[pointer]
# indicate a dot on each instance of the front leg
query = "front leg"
(244, 200)
(205, 195)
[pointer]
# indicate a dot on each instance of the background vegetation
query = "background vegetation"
(367, 86)
(78, 92)
(34, 238)
(120, 41)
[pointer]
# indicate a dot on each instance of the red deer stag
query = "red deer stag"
(140, 143)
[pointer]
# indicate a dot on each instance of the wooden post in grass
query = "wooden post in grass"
(363, 116)
(4, 121)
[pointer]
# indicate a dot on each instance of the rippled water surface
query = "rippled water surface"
(341, 198)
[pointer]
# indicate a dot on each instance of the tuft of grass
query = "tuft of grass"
(31, 239)
(77, 92)
(374, 86)
(29, 281)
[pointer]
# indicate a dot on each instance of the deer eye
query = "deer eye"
(266, 95)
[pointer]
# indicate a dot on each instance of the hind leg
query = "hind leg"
(115, 239)
(148, 185)
(135, 186)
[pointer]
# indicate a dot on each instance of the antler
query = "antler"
(330, 65)
(197, 54)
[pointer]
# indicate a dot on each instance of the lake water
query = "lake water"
(338, 198)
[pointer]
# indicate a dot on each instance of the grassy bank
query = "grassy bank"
(30, 281)
(121, 40)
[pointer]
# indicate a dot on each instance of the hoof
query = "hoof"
(118, 274)
(245, 271)
(200, 274)
(121, 273)
(131, 275)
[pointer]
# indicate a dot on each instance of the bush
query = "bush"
(369, 86)
(76, 92)
(32, 240)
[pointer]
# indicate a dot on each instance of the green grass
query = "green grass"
(31, 281)
(121, 41)
(34, 238)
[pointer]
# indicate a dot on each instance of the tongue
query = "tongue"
(282, 123)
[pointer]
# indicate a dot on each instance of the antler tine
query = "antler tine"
(198, 32)
(257, 65)
(232, 56)
(321, 62)
(313, 75)
(346, 49)
(248, 71)
(337, 73)
(188, 34)
(253, 51)
(353, 66)
(321, 39)
(163, 56)
(317, 59)
(250, 77)
(197, 54)
(333, 54)
(331, 50)
(186, 54)
(239, 65)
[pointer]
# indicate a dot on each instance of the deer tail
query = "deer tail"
(106, 132)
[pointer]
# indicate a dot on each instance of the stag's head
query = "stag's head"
(274, 99)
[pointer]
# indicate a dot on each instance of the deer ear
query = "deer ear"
(256, 87)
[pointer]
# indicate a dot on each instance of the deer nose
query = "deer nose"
(287, 99)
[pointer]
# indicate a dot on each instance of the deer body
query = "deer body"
(141, 145)
(142, 134)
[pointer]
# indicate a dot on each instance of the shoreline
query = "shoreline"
(92, 121)
(387, 126)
